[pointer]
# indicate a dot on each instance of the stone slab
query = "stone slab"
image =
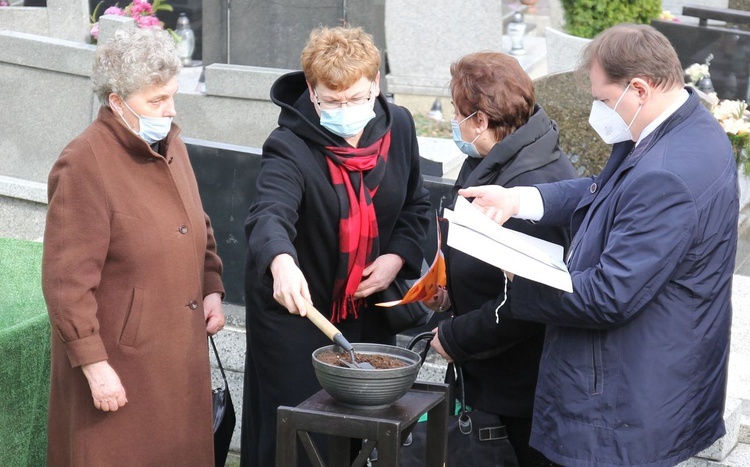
(30, 50)
(22, 219)
(724, 445)
(434, 83)
(440, 156)
(245, 82)
(109, 24)
(563, 50)
(48, 110)
(68, 19)
(243, 122)
(26, 20)
(23, 189)
(744, 435)
(444, 34)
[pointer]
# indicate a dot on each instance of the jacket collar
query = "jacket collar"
(124, 136)
(530, 147)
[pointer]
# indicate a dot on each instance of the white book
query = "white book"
(479, 236)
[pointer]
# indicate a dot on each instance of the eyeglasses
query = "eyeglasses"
(353, 102)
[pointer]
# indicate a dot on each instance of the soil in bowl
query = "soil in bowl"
(378, 361)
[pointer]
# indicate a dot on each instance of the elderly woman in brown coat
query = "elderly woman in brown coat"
(131, 275)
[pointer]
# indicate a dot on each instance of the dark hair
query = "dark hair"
(496, 84)
(628, 51)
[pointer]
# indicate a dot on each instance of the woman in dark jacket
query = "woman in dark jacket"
(340, 211)
(510, 141)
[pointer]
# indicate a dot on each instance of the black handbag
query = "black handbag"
(224, 417)
(399, 318)
(474, 437)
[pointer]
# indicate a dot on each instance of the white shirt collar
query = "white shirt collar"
(681, 99)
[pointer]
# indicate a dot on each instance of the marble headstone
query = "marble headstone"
(272, 34)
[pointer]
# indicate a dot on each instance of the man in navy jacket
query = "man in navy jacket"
(634, 366)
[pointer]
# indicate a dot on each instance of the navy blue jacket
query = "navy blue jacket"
(634, 367)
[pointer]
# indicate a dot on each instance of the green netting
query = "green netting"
(24, 352)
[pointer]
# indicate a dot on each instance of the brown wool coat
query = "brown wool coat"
(128, 257)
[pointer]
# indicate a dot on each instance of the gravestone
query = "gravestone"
(424, 37)
(729, 48)
(272, 34)
(563, 50)
(569, 105)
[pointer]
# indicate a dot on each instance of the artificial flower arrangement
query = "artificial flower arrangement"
(667, 15)
(143, 12)
(732, 115)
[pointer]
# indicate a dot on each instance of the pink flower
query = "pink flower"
(140, 8)
(4, 3)
(113, 10)
(148, 22)
(95, 31)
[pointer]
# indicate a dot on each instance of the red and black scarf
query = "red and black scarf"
(356, 174)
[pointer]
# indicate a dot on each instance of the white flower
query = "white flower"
(696, 71)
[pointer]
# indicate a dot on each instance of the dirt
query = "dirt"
(379, 361)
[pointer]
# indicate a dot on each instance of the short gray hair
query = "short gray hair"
(134, 60)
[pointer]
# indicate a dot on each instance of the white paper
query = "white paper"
(479, 236)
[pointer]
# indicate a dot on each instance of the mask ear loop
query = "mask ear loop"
(505, 298)
(122, 117)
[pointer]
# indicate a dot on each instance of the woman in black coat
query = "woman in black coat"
(510, 141)
(340, 211)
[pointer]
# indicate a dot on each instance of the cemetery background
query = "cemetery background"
(226, 113)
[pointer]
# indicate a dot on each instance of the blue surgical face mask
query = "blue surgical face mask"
(464, 146)
(346, 121)
(152, 129)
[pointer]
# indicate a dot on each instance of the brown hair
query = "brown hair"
(628, 51)
(338, 57)
(496, 84)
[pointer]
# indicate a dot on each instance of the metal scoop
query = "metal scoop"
(335, 335)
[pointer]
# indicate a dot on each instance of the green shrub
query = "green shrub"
(587, 18)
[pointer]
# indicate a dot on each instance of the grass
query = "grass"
(20, 281)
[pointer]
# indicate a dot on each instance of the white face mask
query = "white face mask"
(152, 129)
(608, 123)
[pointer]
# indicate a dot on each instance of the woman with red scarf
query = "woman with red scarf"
(340, 211)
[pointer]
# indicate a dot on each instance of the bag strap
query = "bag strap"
(218, 361)
(424, 336)
(454, 381)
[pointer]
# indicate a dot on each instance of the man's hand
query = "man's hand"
(106, 388)
(289, 285)
(215, 319)
(378, 275)
(496, 202)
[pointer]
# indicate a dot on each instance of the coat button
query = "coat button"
(193, 305)
(183, 229)
(593, 187)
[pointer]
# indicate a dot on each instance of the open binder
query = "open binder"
(479, 236)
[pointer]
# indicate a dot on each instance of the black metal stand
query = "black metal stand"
(382, 428)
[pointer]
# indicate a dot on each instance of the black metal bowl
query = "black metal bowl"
(367, 388)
